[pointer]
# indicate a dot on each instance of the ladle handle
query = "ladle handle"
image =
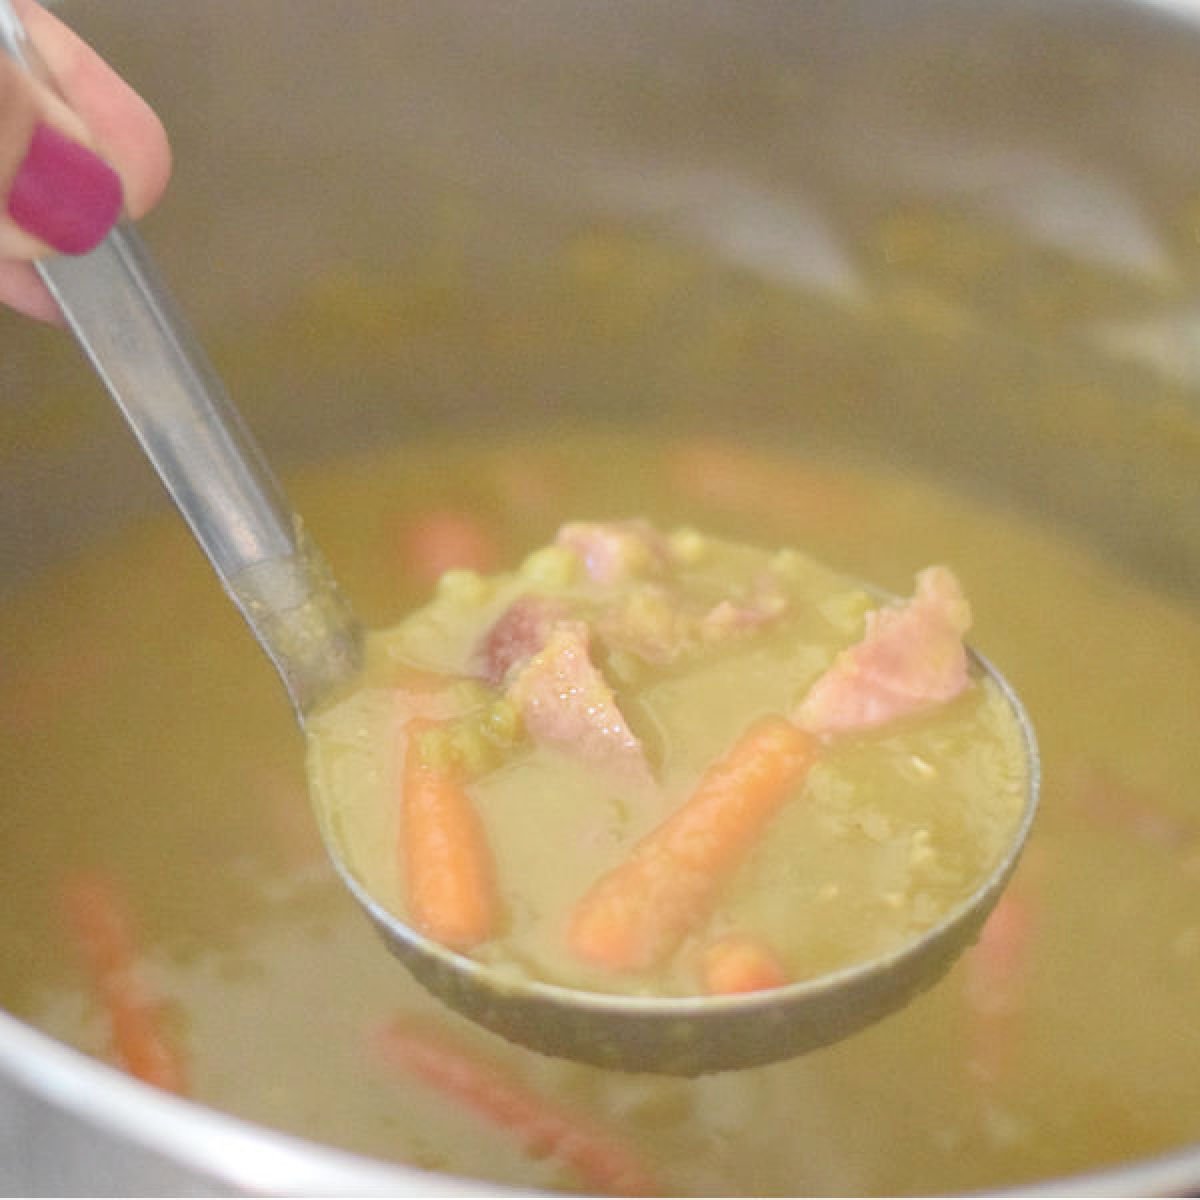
(120, 311)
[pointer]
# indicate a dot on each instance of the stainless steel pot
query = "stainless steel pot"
(767, 138)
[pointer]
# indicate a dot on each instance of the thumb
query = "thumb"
(58, 193)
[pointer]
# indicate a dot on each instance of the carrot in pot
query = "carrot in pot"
(448, 871)
(740, 963)
(539, 1125)
(99, 919)
(734, 478)
(37, 693)
(637, 913)
(1105, 800)
(442, 539)
(293, 837)
(995, 982)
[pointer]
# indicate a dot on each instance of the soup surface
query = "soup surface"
(671, 763)
(150, 752)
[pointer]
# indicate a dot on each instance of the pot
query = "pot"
(982, 221)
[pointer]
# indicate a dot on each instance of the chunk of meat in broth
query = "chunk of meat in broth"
(519, 633)
(911, 657)
(613, 552)
(565, 701)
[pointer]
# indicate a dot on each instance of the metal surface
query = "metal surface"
(765, 137)
(696, 1035)
(127, 323)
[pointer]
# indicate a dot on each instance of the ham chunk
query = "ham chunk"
(648, 623)
(519, 633)
(730, 618)
(565, 701)
(911, 657)
(616, 551)
(660, 625)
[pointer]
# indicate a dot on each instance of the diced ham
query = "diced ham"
(647, 623)
(656, 623)
(728, 618)
(615, 551)
(912, 656)
(565, 701)
(517, 635)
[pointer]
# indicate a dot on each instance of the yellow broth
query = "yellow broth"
(889, 830)
(146, 738)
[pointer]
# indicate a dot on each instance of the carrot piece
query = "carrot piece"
(740, 963)
(540, 1126)
(995, 982)
(734, 478)
(1107, 801)
(35, 694)
(99, 919)
(448, 870)
(637, 913)
(442, 539)
(529, 483)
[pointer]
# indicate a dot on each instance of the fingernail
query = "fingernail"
(63, 194)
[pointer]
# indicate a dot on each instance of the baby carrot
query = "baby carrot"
(98, 917)
(1107, 801)
(726, 476)
(449, 876)
(637, 913)
(540, 1126)
(740, 963)
(442, 539)
(995, 980)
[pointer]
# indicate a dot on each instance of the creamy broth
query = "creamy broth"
(148, 740)
(534, 768)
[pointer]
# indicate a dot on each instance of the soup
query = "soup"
(152, 752)
(667, 763)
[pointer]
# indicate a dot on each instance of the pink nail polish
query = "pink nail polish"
(63, 194)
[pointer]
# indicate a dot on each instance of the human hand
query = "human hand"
(69, 165)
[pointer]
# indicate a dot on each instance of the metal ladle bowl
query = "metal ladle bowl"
(699, 1034)
(123, 317)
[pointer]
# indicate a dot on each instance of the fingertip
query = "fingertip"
(64, 195)
(145, 178)
(122, 125)
(22, 290)
(57, 149)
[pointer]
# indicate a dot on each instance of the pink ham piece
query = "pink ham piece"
(518, 634)
(565, 701)
(911, 657)
(656, 623)
(647, 623)
(729, 618)
(614, 551)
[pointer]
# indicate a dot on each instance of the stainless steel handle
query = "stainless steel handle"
(124, 318)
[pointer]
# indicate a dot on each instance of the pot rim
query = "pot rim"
(244, 1156)
(255, 1159)
(233, 1151)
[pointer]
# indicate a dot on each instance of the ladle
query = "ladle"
(124, 319)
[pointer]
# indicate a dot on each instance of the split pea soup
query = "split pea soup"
(1065, 1040)
(667, 763)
